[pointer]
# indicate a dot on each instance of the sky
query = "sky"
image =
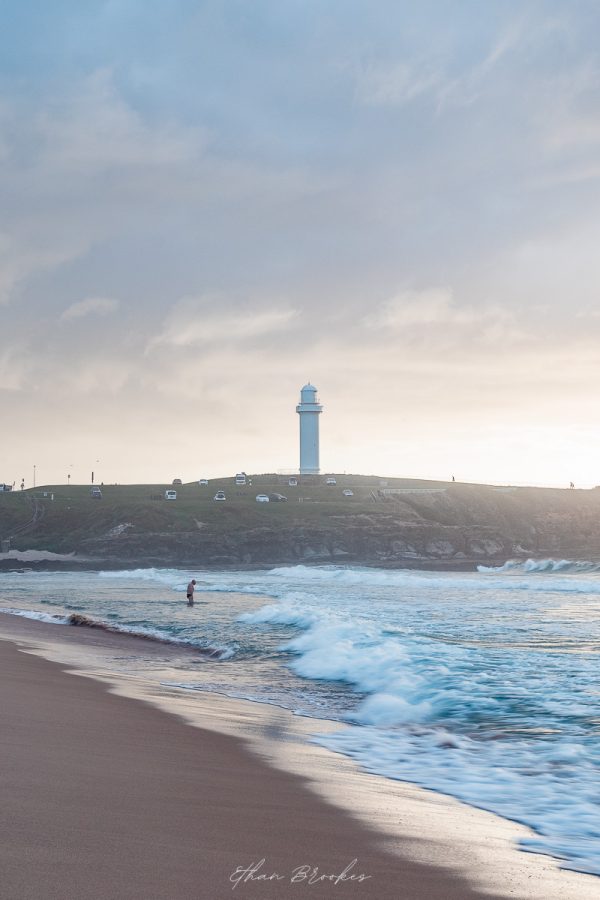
(204, 205)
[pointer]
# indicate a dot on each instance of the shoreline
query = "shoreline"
(450, 842)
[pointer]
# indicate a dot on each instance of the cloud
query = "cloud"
(421, 74)
(97, 306)
(22, 257)
(437, 308)
(478, 79)
(385, 214)
(199, 321)
(92, 127)
(395, 83)
(81, 165)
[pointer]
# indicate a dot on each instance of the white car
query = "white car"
(348, 493)
(262, 498)
(203, 482)
(331, 480)
(170, 495)
(220, 495)
(293, 482)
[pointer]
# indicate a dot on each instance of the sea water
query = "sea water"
(484, 686)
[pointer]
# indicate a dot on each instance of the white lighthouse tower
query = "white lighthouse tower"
(309, 409)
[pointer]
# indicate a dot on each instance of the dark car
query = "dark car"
(277, 498)
(176, 481)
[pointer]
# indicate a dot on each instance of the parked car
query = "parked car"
(96, 493)
(331, 480)
(220, 495)
(277, 498)
(262, 498)
(170, 495)
(348, 493)
(176, 481)
(293, 482)
(203, 482)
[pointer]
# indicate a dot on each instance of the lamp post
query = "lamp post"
(34, 476)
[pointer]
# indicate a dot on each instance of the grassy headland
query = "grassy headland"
(385, 522)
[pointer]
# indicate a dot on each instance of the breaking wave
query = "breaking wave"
(542, 566)
(36, 616)
(332, 577)
(500, 731)
(139, 631)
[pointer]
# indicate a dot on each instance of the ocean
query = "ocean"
(484, 686)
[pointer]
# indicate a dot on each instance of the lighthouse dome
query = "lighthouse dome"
(308, 393)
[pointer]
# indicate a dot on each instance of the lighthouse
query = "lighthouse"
(309, 409)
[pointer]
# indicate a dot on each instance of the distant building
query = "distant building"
(309, 409)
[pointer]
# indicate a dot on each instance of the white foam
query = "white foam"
(219, 651)
(37, 616)
(39, 556)
(500, 578)
(542, 566)
(293, 611)
(459, 720)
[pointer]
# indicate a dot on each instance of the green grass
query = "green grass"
(74, 514)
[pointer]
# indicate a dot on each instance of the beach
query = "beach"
(106, 795)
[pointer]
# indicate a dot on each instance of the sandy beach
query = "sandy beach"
(106, 796)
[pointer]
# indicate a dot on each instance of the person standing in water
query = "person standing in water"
(190, 592)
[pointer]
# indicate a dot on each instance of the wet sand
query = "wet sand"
(107, 796)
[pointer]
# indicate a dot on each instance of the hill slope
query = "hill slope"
(385, 522)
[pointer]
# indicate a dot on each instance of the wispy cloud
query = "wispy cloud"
(467, 87)
(93, 128)
(91, 306)
(25, 255)
(201, 321)
(437, 308)
(395, 83)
